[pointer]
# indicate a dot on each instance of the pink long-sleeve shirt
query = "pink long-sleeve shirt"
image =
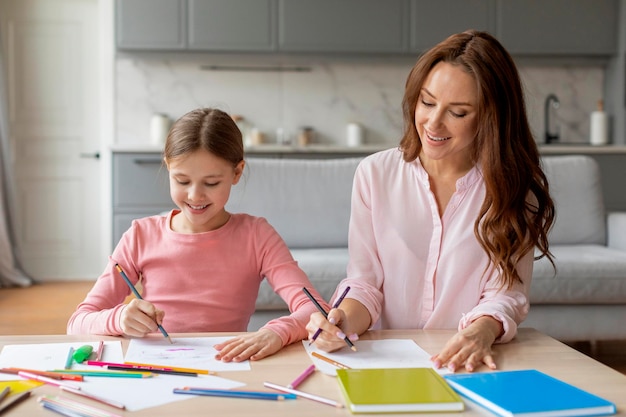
(413, 269)
(204, 282)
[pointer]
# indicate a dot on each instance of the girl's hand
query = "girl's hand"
(470, 347)
(253, 346)
(331, 337)
(140, 317)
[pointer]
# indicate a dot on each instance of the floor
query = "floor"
(45, 308)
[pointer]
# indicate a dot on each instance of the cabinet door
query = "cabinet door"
(150, 24)
(343, 26)
(232, 25)
(558, 27)
(434, 21)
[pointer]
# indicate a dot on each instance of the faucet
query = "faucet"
(551, 101)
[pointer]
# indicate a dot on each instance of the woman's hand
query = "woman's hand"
(253, 346)
(471, 347)
(332, 336)
(140, 317)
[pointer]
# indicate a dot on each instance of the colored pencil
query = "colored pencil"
(40, 378)
(100, 350)
(321, 310)
(60, 375)
(154, 370)
(255, 395)
(331, 361)
(75, 406)
(151, 367)
(304, 375)
(95, 398)
(339, 300)
(134, 290)
(5, 393)
(304, 394)
(111, 374)
(22, 396)
(70, 358)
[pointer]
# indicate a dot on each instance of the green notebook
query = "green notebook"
(399, 390)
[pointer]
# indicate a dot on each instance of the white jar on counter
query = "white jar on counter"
(599, 132)
(159, 128)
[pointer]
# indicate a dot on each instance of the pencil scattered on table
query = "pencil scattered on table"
(331, 361)
(321, 310)
(13, 401)
(68, 407)
(255, 395)
(51, 381)
(304, 375)
(5, 393)
(139, 297)
(336, 305)
(70, 358)
(100, 350)
(99, 399)
(304, 394)
(63, 374)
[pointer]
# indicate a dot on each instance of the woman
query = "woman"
(443, 229)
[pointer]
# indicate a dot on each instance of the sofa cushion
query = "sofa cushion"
(306, 201)
(575, 186)
(325, 268)
(586, 274)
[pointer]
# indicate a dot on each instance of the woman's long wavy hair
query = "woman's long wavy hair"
(517, 212)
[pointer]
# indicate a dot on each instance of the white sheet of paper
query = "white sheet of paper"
(386, 353)
(187, 352)
(139, 393)
(48, 356)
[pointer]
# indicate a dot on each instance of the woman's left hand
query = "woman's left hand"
(470, 347)
(253, 346)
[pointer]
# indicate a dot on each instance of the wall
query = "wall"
(328, 95)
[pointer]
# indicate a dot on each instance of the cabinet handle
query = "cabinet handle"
(95, 155)
(142, 161)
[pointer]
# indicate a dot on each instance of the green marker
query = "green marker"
(82, 353)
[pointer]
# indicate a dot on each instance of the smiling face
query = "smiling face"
(446, 116)
(200, 185)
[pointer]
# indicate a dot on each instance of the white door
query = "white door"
(51, 55)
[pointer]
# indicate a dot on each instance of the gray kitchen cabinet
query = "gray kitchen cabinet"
(558, 27)
(151, 24)
(232, 25)
(140, 188)
(346, 26)
(433, 21)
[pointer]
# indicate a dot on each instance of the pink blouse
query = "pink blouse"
(413, 269)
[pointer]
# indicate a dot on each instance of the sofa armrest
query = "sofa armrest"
(616, 230)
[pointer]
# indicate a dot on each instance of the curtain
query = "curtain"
(11, 272)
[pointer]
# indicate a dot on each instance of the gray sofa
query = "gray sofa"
(308, 202)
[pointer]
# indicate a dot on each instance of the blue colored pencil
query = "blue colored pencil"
(255, 395)
(134, 290)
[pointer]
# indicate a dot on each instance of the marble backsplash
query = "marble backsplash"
(324, 95)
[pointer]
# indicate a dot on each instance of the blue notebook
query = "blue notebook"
(528, 393)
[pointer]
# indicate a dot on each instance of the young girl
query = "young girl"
(200, 266)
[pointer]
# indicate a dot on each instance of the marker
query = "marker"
(82, 353)
(139, 297)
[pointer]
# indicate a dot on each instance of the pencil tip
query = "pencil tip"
(353, 348)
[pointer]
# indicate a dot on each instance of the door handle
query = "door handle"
(95, 155)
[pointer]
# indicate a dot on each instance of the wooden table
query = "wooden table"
(530, 349)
